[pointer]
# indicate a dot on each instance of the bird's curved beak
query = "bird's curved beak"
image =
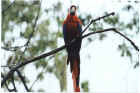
(72, 11)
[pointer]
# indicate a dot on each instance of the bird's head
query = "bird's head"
(72, 10)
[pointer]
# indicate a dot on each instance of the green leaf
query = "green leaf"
(136, 65)
(27, 32)
(40, 76)
(112, 20)
(128, 53)
(41, 90)
(130, 26)
(85, 86)
(102, 36)
(49, 69)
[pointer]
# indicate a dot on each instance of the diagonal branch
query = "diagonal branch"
(26, 45)
(13, 82)
(31, 35)
(34, 28)
(22, 79)
(61, 48)
(6, 85)
(94, 20)
(4, 10)
(38, 78)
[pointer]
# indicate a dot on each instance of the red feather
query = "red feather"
(72, 32)
(75, 75)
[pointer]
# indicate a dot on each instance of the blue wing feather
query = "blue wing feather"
(79, 27)
(64, 32)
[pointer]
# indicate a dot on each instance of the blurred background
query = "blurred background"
(109, 63)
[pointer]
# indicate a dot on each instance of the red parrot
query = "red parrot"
(72, 29)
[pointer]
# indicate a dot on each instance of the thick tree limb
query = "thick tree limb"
(61, 48)
(29, 61)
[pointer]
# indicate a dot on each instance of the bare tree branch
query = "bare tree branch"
(6, 85)
(13, 82)
(61, 48)
(34, 27)
(42, 72)
(31, 35)
(11, 48)
(26, 45)
(23, 80)
(114, 30)
(134, 45)
(94, 20)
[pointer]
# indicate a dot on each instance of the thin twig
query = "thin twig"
(6, 85)
(26, 45)
(12, 77)
(11, 66)
(13, 82)
(41, 71)
(4, 10)
(34, 27)
(114, 30)
(94, 20)
(135, 46)
(11, 48)
(22, 79)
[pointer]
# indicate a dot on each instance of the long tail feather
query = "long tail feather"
(75, 75)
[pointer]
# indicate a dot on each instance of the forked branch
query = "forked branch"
(61, 48)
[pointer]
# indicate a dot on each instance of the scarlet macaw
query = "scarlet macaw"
(72, 29)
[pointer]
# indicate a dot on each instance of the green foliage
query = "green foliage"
(28, 32)
(125, 50)
(42, 63)
(112, 20)
(57, 7)
(84, 86)
(23, 13)
(102, 36)
(60, 70)
(41, 90)
(40, 76)
(136, 65)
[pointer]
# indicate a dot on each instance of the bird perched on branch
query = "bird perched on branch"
(71, 30)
